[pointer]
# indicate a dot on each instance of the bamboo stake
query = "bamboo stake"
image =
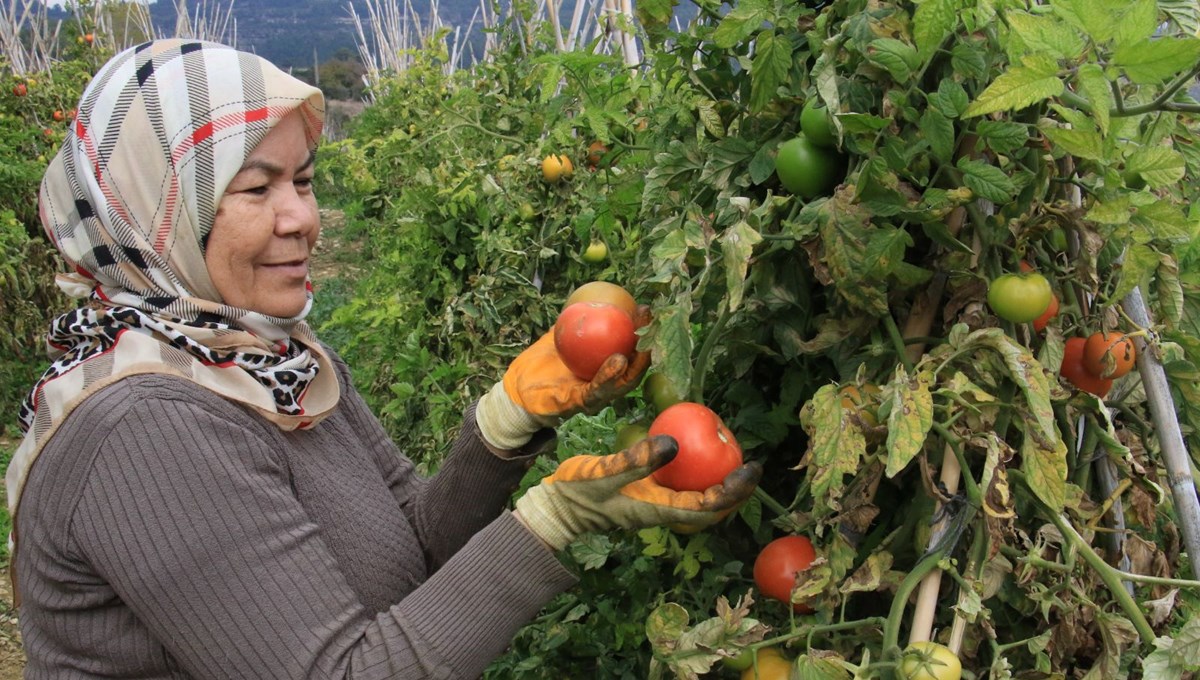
(628, 41)
(1162, 413)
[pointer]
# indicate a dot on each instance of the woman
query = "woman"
(200, 492)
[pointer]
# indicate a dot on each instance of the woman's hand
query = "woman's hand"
(538, 390)
(598, 493)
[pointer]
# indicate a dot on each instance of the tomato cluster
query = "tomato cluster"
(1092, 363)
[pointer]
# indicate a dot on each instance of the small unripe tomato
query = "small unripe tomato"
(772, 665)
(595, 253)
(930, 661)
(1109, 354)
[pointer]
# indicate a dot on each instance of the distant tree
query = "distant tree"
(341, 78)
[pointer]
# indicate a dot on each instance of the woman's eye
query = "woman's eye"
(304, 182)
(257, 191)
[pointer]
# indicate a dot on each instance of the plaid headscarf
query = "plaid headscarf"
(129, 201)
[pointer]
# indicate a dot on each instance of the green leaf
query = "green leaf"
(1084, 143)
(1098, 91)
(1137, 24)
(1034, 80)
(1163, 220)
(725, 159)
(951, 98)
(910, 419)
(1046, 471)
(762, 166)
(969, 59)
(1115, 211)
(1098, 18)
(1159, 166)
(862, 122)
(899, 58)
(1155, 60)
(706, 110)
(772, 62)
(1046, 34)
(932, 22)
(835, 449)
(655, 16)
(819, 668)
(737, 245)
(1003, 136)
(939, 131)
(671, 341)
(591, 550)
(1136, 270)
(1184, 13)
(1170, 291)
(987, 181)
(742, 21)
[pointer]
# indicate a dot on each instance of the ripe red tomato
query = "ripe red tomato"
(1109, 355)
(20, 90)
(603, 291)
(596, 151)
(776, 567)
(587, 333)
(57, 115)
(1040, 323)
(1020, 297)
(708, 451)
(1077, 374)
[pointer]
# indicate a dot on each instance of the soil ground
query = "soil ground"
(331, 261)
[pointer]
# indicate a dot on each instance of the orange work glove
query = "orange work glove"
(598, 493)
(538, 390)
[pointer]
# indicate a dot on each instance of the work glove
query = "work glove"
(538, 390)
(598, 493)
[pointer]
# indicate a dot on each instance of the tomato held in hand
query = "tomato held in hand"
(817, 124)
(1077, 374)
(1109, 355)
(1020, 297)
(772, 665)
(776, 567)
(603, 291)
(806, 169)
(707, 449)
(588, 333)
(930, 661)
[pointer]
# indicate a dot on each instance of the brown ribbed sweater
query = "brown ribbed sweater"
(168, 533)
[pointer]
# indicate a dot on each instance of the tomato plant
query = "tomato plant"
(1076, 372)
(806, 169)
(1109, 354)
(707, 453)
(1020, 297)
(588, 333)
(777, 565)
(817, 124)
(930, 661)
(605, 292)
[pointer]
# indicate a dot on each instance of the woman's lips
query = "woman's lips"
(294, 269)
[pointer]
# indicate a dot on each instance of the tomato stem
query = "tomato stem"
(891, 628)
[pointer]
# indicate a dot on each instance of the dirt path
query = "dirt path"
(333, 254)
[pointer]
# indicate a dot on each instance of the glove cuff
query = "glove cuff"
(538, 511)
(502, 422)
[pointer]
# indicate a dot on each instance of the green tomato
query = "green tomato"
(660, 392)
(806, 169)
(740, 662)
(595, 253)
(631, 434)
(1020, 297)
(930, 661)
(525, 212)
(817, 124)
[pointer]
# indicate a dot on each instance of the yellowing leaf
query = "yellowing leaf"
(1036, 79)
(910, 419)
(1045, 470)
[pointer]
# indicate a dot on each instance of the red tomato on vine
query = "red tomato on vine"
(776, 567)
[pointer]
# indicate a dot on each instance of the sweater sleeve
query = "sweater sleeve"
(191, 520)
(472, 486)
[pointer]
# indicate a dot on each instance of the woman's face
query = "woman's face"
(266, 226)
